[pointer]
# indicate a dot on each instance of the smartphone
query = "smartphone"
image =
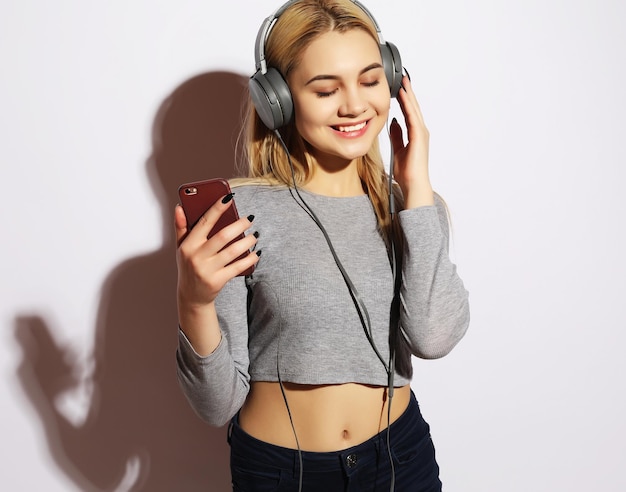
(197, 197)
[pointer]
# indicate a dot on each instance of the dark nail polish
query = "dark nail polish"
(258, 253)
(256, 234)
(228, 198)
(250, 218)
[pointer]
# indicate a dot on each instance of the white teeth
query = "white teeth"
(354, 128)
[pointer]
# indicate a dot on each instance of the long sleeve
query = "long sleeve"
(217, 385)
(434, 307)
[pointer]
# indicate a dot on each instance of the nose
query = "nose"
(353, 103)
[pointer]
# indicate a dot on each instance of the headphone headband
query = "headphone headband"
(268, 89)
(268, 25)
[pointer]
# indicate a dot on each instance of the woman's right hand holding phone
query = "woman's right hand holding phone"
(204, 267)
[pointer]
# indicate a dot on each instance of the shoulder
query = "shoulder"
(257, 187)
(255, 194)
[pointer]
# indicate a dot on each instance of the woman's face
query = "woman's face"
(341, 96)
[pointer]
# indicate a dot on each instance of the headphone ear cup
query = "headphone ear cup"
(271, 97)
(392, 63)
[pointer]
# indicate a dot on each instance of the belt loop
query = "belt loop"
(296, 465)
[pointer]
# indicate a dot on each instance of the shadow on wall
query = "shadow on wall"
(140, 433)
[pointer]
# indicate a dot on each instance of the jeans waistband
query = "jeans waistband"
(281, 457)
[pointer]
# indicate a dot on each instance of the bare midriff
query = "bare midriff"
(326, 418)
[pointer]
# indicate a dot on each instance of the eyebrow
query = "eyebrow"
(373, 66)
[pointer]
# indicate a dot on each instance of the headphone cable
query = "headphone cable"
(356, 298)
(360, 306)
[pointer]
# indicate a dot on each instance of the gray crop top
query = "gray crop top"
(295, 313)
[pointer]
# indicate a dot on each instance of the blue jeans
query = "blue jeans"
(257, 466)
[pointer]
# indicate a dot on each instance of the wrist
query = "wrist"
(418, 195)
(200, 325)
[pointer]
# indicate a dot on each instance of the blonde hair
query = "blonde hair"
(299, 25)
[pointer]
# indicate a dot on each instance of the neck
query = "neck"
(342, 182)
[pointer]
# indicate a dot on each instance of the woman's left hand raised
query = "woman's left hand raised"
(410, 166)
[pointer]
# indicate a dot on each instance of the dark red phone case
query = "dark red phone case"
(197, 197)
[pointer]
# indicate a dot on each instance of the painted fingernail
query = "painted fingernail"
(250, 218)
(256, 234)
(258, 253)
(228, 198)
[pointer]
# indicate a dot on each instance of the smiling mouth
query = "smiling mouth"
(351, 128)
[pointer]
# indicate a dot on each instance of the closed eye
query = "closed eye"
(326, 94)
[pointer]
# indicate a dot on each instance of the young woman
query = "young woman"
(309, 357)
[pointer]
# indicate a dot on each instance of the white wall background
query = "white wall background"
(99, 101)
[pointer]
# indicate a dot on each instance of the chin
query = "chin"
(356, 152)
(355, 155)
